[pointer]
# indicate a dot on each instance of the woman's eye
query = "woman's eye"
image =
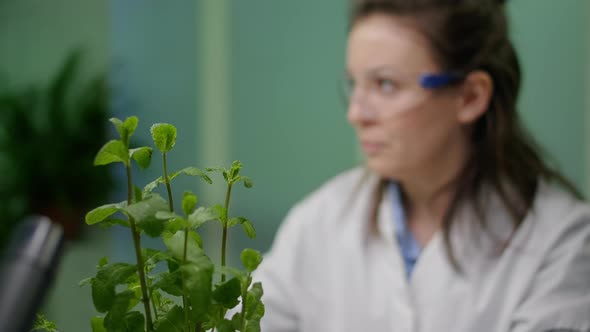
(385, 85)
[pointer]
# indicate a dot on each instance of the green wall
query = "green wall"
(288, 121)
(36, 35)
(551, 38)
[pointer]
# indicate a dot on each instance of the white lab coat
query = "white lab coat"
(326, 272)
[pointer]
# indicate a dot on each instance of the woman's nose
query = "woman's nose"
(359, 110)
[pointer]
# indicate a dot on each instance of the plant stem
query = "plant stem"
(171, 206)
(243, 313)
(155, 309)
(184, 297)
(151, 295)
(224, 236)
(137, 244)
(167, 180)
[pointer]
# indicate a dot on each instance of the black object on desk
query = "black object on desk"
(27, 271)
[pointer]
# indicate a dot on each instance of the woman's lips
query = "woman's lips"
(371, 147)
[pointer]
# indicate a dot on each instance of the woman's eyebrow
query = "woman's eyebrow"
(380, 70)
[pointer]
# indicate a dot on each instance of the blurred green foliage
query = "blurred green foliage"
(48, 138)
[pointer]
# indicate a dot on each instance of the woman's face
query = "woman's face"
(402, 127)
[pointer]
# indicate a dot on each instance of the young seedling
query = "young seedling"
(188, 276)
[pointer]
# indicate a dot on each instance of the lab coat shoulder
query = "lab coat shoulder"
(292, 270)
(559, 295)
(559, 210)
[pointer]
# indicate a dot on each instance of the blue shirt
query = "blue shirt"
(409, 247)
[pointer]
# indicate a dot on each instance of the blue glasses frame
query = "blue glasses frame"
(436, 81)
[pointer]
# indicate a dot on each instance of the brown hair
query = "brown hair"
(467, 35)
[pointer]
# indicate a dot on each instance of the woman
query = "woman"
(455, 223)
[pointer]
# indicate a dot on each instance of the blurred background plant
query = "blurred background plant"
(48, 138)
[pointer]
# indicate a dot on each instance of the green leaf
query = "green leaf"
(103, 261)
(227, 293)
(246, 180)
(151, 256)
(252, 326)
(176, 224)
(157, 300)
(216, 312)
(250, 259)
(152, 226)
(235, 221)
(236, 320)
(103, 285)
(174, 175)
(129, 126)
(256, 291)
(102, 212)
(97, 324)
(172, 263)
(172, 322)
(144, 213)
(201, 215)
(164, 136)
(196, 237)
(225, 326)
(249, 229)
(84, 282)
(137, 194)
(221, 213)
(115, 318)
(228, 270)
(253, 308)
(197, 272)
(142, 155)
(42, 324)
(198, 282)
(246, 224)
(134, 322)
(192, 171)
(152, 185)
(134, 285)
(163, 305)
(167, 215)
(221, 170)
(118, 125)
(103, 294)
(114, 221)
(189, 201)
(112, 152)
(169, 282)
(235, 169)
(194, 252)
(126, 128)
(116, 273)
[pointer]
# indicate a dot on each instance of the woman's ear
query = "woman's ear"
(476, 94)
